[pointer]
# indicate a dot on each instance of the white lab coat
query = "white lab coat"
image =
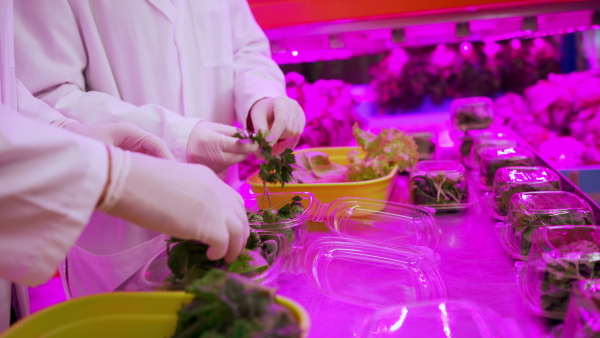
(160, 64)
(29, 250)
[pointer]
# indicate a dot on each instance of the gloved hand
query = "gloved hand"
(186, 201)
(124, 135)
(212, 144)
(282, 117)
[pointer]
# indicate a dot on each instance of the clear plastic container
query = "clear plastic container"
(511, 180)
(439, 184)
(486, 137)
(480, 145)
(368, 274)
(493, 159)
(531, 210)
(452, 318)
(156, 275)
(583, 313)
(560, 256)
(472, 113)
(425, 143)
(359, 218)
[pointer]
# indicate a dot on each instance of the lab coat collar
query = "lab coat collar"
(166, 7)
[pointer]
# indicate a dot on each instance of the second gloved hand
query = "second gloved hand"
(282, 117)
(186, 201)
(213, 145)
(124, 135)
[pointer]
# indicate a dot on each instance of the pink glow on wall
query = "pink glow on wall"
(491, 48)
(442, 56)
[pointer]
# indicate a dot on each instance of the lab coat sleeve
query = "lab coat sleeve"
(50, 183)
(256, 74)
(51, 62)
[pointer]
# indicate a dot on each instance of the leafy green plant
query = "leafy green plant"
(188, 262)
(438, 189)
(229, 305)
(505, 192)
(524, 223)
(497, 163)
(468, 119)
(384, 151)
(579, 260)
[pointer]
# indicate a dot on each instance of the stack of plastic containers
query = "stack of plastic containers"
(531, 210)
(474, 142)
(583, 313)
(439, 184)
(560, 256)
(511, 180)
(472, 113)
(493, 159)
(370, 238)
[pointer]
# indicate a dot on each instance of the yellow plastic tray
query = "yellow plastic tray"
(119, 314)
(378, 189)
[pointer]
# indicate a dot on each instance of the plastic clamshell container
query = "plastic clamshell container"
(473, 160)
(441, 185)
(425, 143)
(364, 219)
(583, 313)
(560, 256)
(511, 180)
(155, 272)
(472, 113)
(531, 210)
(493, 159)
(120, 314)
(451, 318)
(379, 188)
(353, 271)
(484, 137)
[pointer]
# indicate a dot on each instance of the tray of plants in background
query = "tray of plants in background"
(441, 185)
(531, 210)
(367, 171)
(511, 180)
(560, 257)
(493, 159)
(583, 313)
(472, 113)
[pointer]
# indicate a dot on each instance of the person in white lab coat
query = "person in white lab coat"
(183, 70)
(52, 181)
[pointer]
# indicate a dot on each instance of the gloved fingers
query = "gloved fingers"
(218, 246)
(154, 146)
(259, 114)
(236, 239)
(280, 146)
(289, 119)
(233, 145)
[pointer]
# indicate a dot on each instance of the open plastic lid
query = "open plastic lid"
(155, 275)
(364, 219)
(451, 318)
(367, 274)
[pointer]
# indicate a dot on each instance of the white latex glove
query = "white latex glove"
(124, 135)
(282, 117)
(186, 201)
(213, 145)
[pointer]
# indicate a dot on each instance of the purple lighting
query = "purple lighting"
(295, 53)
(466, 47)
(515, 44)
(538, 43)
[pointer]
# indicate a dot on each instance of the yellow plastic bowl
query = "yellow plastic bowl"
(378, 189)
(120, 314)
